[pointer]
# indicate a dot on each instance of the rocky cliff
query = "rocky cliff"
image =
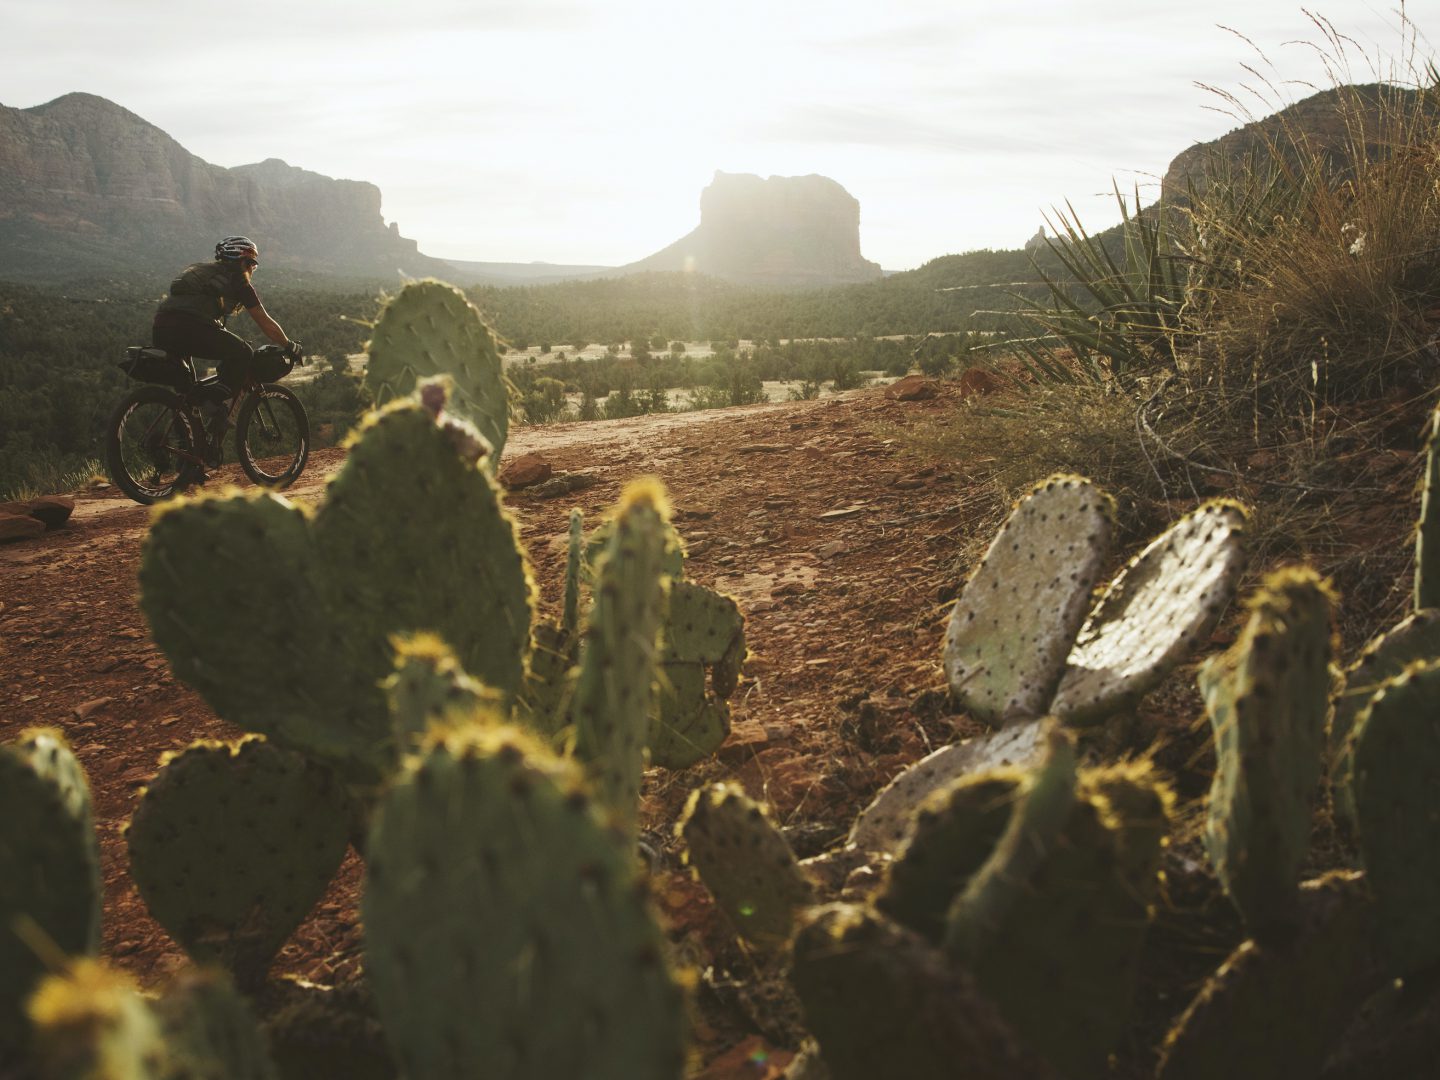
(784, 230)
(89, 187)
(1328, 124)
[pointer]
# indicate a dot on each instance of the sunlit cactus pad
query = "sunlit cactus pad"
(746, 864)
(282, 618)
(704, 646)
(507, 934)
(231, 846)
(49, 866)
(430, 329)
(1014, 623)
(1155, 612)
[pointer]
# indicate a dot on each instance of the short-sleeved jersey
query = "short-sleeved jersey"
(210, 291)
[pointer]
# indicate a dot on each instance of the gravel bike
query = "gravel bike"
(163, 434)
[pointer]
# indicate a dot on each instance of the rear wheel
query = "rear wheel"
(150, 445)
(272, 435)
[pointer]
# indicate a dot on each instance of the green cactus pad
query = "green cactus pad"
(673, 559)
(1155, 613)
(882, 1002)
(1267, 698)
(428, 685)
(746, 864)
(316, 1031)
(614, 693)
(954, 833)
(1427, 536)
(49, 868)
(92, 1023)
(230, 847)
(1053, 924)
(430, 329)
(1277, 1010)
(1396, 750)
(703, 632)
(282, 619)
(544, 704)
(1014, 623)
(507, 934)
(1416, 637)
(884, 824)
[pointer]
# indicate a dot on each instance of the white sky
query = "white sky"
(582, 131)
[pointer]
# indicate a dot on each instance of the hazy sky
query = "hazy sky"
(583, 131)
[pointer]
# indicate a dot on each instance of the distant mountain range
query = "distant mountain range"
(89, 188)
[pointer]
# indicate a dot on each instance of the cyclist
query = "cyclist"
(191, 320)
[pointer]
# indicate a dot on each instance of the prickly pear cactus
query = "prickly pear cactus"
(1278, 1009)
(316, 1031)
(746, 864)
(614, 692)
(281, 618)
(1267, 698)
(430, 329)
(231, 846)
(1013, 625)
(49, 868)
(1053, 924)
(1416, 637)
(507, 934)
(952, 836)
(1427, 536)
(1155, 613)
(704, 635)
(881, 1001)
(1396, 752)
(884, 825)
(428, 685)
(91, 1022)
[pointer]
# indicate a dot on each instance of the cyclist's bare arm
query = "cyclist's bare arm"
(268, 326)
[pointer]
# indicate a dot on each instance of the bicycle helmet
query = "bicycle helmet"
(235, 248)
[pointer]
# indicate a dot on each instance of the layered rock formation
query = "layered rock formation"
(89, 187)
(784, 230)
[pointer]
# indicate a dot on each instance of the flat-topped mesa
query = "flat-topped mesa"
(780, 230)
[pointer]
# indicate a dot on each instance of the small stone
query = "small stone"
(833, 548)
(977, 382)
(19, 527)
(912, 388)
(52, 511)
(83, 711)
(843, 512)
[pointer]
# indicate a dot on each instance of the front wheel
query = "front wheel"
(272, 436)
(150, 445)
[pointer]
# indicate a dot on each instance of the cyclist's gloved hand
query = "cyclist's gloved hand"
(294, 352)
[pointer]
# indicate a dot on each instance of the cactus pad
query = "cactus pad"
(430, 329)
(230, 847)
(428, 685)
(1155, 613)
(49, 867)
(1013, 625)
(507, 934)
(1396, 751)
(1279, 1009)
(282, 619)
(883, 825)
(881, 1001)
(1053, 924)
(704, 633)
(614, 693)
(1267, 698)
(746, 864)
(1416, 637)
(954, 833)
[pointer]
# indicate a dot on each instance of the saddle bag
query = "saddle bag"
(155, 366)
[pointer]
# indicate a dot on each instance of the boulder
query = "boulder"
(912, 388)
(19, 527)
(52, 511)
(527, 470)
